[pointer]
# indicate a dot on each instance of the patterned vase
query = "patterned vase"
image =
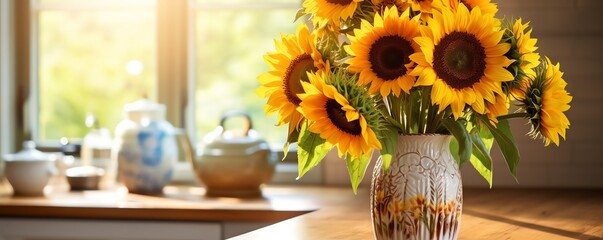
(420, 196)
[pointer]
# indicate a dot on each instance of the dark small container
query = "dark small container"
(84, 177)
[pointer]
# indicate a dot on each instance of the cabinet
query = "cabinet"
(75, 229)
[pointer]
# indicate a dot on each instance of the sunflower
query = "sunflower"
(381, 5)
(334, 10)
(380, 52)
(425, 6)
(545, 101)
(498, 108)
(523, 51)
(486, 6)
(324, 28)
(296, 55)
(462, 59)
(336, 118)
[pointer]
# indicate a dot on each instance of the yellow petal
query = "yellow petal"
(426, 78)
(351, 115)
(498, 74)
(498, 50)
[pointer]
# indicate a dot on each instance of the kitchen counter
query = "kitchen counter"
(177, 203)
(324, 212)
(181, 212)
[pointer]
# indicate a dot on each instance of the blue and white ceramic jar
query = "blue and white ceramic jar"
(145, 147)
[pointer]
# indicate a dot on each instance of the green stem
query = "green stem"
(392, 112)
(425, 105)
(408, 113)
(437, 120)
(514, 115)
(393, 121)
(433, 110)
(397, 111)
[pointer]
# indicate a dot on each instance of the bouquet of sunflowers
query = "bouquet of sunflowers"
(371, 70)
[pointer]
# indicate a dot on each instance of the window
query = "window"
(94, 56)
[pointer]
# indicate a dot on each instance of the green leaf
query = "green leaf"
(506, 142)
(357, 169)
(291, 138)
(480, 158)
(454, 150)
(285, 150)
(389, 141)
(459, 131)
(300, 13)
(311, 149)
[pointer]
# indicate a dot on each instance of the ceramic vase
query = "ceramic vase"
(420, 195)
(145, 148)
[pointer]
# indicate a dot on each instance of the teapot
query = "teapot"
(146, 148)
(234, 163)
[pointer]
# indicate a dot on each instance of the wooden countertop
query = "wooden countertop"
(487, 214)
(327, 212)
(177, 203)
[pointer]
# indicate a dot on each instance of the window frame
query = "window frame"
(7, 87)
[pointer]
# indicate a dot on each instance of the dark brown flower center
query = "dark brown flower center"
(340, 2)
(460, 60)
(388, 56)
(297, 72)
(387, 3)
(337, 117)
(464, 2)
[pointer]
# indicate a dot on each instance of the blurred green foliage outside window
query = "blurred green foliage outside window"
(92, 59)
(95, 56)
(231, 40)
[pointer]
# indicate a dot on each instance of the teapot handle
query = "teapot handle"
(236, 114)
(185, 144)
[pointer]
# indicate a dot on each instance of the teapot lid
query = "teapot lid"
(223, 145)
(145, 109)
(28, 153)
(144, 105)
(239, 142)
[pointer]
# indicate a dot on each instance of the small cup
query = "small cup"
(28, 178)
(28, 171)
(84, 177)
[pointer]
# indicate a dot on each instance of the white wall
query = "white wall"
(569, 32)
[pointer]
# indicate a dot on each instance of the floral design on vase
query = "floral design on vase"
(420, 196)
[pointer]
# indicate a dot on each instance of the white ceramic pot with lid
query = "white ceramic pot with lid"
(29, 170)
(235, 163)
(145, 147)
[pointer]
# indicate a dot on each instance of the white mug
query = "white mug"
(29, 170)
